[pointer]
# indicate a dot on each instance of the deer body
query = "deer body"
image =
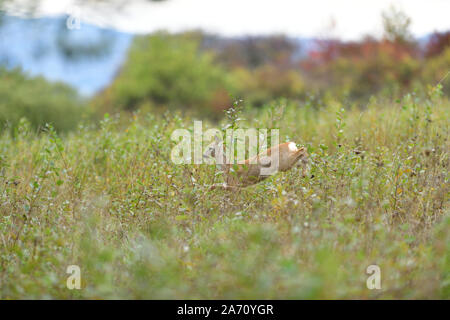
(279, 158)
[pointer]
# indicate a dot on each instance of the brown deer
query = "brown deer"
(279, 158)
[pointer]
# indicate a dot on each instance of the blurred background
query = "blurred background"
(65, 61)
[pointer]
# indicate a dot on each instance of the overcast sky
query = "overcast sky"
(353, 18)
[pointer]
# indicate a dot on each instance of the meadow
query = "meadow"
(108, 199)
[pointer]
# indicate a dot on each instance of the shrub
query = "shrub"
(37, 100)
(360, 69)
(436, 69)
(167, 70)
(267, 83)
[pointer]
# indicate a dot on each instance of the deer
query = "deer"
(279, 158)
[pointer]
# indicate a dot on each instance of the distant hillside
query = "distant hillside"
(43, 47)
(46, 47)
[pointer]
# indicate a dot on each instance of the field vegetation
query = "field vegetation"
(110, 200)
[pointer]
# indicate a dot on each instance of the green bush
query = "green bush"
(37, 100)
(436, 70)
(267, 83)
(170, 71)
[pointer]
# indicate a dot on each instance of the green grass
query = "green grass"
(109, 200)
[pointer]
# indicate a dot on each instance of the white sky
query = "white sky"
(354, 18)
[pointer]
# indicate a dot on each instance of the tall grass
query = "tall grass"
(110, 200)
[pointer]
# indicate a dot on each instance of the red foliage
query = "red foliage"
(327, 51)
(438, 42)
